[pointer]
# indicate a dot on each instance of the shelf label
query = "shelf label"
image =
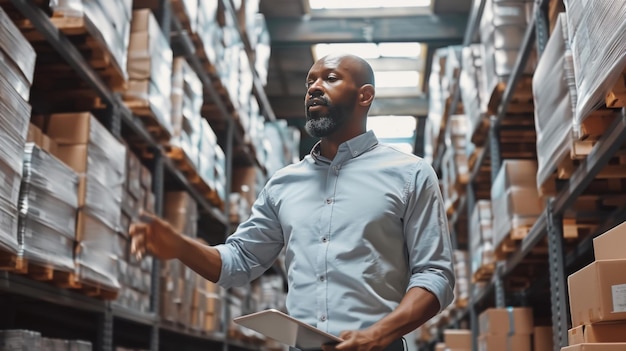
(619, 298)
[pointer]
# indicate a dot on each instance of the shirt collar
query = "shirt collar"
(348, 149)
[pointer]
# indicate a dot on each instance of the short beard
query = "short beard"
(322, 126)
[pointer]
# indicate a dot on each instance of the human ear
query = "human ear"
(366, 95)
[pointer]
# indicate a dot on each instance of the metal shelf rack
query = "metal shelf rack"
(549, 225)
(112, 321)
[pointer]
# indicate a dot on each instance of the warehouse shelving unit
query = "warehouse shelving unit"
(548, 227)
(105, 323)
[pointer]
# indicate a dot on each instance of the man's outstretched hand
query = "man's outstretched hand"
(152, 235)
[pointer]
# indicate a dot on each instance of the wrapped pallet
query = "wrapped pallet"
(186, 100)
(597, 31)
(515, 203)
(48, 205)
(149, 70)
(470, 83)
(108, 22)
(100, 159)
(17, 65)
(481, 241)
(502, 29)
(554, 94)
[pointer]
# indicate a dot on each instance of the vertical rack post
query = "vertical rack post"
(158, 169)
(114, 120)
(541, 25)
(558, 287)
(494, 147)
(470, 203)
(104, 339)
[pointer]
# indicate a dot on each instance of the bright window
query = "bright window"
(397, 79)
(398, 131)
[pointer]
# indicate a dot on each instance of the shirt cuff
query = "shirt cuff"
(436, 284)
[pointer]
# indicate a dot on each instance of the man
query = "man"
(368, 254)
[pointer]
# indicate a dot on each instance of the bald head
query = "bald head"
(361, 71)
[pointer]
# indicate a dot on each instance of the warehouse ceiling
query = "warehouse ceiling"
(295, 29)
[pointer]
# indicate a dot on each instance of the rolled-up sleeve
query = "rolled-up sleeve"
(254, 246)
(428, 238)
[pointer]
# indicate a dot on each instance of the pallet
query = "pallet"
(521, 99)
(182, 163)
(511, 242)
(617, 96)
(13, 262)
(145, 111)
(593, 127)
(89, 41)
(484, 272)
(51, 274)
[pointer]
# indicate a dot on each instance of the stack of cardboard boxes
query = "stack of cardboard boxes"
(502, 29)
(186, 99)
(554, 94)
(17, 340)
(186, 298)
(135, 275)
(597, 297)
(505, 329)
(515, 203)
(17, 65)
(456, 340)
(48, 205)
(100, 160)
(481, 241)
(109, 23)
(597, 32)
(455, 167)
(471, 83)
(149, 70)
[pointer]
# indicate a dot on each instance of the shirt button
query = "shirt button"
(329, 201)
(324, 239)
(321, 278)
(323, 318)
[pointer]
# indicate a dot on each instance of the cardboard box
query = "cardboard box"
(611, 245)
(72, 128)
(440, 347)
(597, 292)
(542, 339)
(596, 347)
(522, 173)
(460, 339)
(595, 333)
(502, 342)
(181, 211)
(505, 321)
(34, 134)
(75, 156)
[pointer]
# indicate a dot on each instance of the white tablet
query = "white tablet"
(287, 330)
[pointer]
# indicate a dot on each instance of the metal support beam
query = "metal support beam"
(429, 29)
(558, 287)
(542, 32)
(104, 340)
(499, 287)
(420, 133)
(158, 182)
(494, 149)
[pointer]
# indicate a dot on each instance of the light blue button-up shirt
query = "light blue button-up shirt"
(358, 232)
